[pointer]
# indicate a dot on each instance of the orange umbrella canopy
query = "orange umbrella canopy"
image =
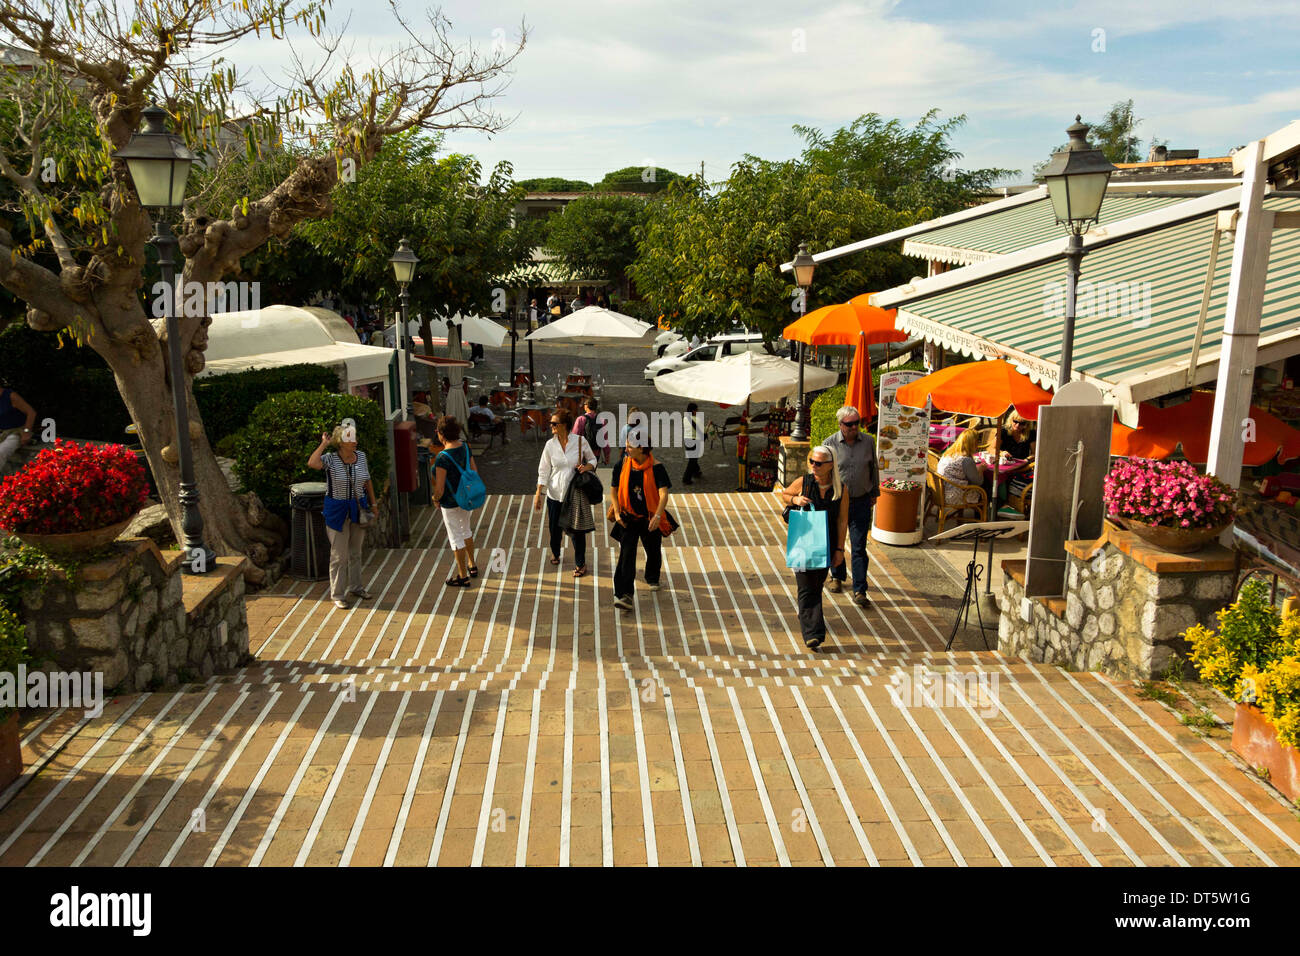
(1161, 430)
(842, 325)
(859, 393)
(986, 389)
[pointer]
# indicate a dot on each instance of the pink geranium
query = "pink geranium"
(1170, 494)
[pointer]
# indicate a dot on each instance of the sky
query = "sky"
(676, 83)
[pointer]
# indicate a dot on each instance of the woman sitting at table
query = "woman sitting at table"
(960, 465)
(1017, 440)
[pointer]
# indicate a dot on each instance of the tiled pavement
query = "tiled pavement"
(524, 721)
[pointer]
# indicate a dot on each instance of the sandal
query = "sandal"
(580, 572)
(458, 582)
(555, 559)
(473, 570)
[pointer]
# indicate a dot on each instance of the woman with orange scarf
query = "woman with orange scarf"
(638, 491)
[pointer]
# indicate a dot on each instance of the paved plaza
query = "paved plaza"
(525, 721)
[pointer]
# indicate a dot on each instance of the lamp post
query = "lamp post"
(159, 164)
(1076, 180)
(404, 262)
(803, 274)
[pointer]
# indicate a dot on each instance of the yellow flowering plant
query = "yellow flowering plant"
(1254, 657)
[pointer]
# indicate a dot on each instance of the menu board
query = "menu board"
(903, 433)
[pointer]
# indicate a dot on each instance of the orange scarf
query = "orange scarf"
(648, 486)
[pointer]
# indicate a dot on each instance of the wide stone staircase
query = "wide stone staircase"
(526, 721)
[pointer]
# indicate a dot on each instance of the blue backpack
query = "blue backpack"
(470, 491)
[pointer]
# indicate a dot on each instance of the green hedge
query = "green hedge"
(271, 453)
(822, 423)
(226, 402)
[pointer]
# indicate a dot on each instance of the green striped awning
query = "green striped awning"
(1139, 301)
(1019, 227)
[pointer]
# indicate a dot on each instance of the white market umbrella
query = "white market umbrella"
(737, 379)
(593, 324)
(474, 330)
(457, 403)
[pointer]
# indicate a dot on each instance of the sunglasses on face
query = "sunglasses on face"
(853, 424)
(815, 463)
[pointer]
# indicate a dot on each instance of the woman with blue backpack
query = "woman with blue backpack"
(457, 490)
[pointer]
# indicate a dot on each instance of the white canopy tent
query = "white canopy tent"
(281, 335)
(737, 379)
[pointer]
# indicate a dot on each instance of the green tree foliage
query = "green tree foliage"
(906, 169)
(711, 259)
(460, 228)
(639, 179)
(554, 184)
(595, 235)
(1114, 134)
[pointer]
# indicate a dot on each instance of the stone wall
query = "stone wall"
(1125, 607)
(135, 617)
(792, 462)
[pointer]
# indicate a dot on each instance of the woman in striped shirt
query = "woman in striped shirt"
(348, 493)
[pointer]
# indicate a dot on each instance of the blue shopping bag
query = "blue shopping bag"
(807, 541)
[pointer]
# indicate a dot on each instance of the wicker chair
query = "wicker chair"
(973, 497)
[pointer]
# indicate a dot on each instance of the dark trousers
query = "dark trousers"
(637, 530)
(859, 529)
(811, 621)
(693, 470)
(557, 536)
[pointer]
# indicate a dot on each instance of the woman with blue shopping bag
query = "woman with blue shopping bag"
(815, 539)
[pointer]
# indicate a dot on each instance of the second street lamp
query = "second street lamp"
(404, 261)
(1076, 180)
(803, 266)
(159, 164)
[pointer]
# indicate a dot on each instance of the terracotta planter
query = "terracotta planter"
(11, 754)
(78, 541)
(1174, 540)
(896, 511)
(1255, 740)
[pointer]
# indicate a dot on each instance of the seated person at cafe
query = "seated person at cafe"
(959, 464)
(1017, 438)
(482, 416)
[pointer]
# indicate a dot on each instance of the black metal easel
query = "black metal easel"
(974, 571)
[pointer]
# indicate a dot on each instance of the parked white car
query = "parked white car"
(665, 339)
(711, 350)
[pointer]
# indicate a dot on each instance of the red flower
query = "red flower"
(73, 487)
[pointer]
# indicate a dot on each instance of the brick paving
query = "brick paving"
(524, 721)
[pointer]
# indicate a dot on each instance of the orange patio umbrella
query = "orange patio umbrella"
(1161, 430)
(859, 393)
(986, 389)
(842, 324)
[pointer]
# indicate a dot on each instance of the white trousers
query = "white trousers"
(345, 559)
(8, 445)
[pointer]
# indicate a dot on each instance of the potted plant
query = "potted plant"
(13, 651)
(1169, 504)
(73, 498)
(897, 508)
(1254, 657)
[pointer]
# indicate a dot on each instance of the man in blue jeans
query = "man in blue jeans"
(856, 456)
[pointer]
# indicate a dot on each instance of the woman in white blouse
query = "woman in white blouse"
(562, 457)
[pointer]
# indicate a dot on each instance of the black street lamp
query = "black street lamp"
(803, 266)
(1076, 181)
(404, 262)
(159, 164)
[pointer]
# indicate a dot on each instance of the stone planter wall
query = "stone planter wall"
(1125, 607)
(792, 462)
(138, 620)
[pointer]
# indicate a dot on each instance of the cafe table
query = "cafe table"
(534, 418)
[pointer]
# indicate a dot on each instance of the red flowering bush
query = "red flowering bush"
(1168, 494)
(73, 487)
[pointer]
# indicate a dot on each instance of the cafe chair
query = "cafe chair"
(480, 425)
(971, 498)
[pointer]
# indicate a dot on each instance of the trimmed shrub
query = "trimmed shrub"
(822, 423)
(226, 402)
(271, 453)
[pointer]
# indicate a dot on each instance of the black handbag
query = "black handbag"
(785, 512)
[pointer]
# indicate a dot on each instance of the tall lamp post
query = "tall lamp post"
(159, 164)
(803, 274)
(1076, 180)
(404, 262)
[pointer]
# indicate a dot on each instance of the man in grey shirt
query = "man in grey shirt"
(856, 458)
